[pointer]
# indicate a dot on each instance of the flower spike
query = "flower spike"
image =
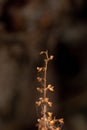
(46, 122)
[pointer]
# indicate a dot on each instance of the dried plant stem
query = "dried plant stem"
(46, 122)
(45, 92)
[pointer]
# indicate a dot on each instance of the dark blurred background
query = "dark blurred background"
(26, 28)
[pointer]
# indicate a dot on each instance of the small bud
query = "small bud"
(39, 69)
(50, 104)
(50, 87)
(50, 114)
(39, 79)
(46, 100)
(44, 68)
(52, 122)
(51, 57)
(38, 103)
(38, 120)
(40, 90)
(61, 121)
(42, 52)
(40, 98)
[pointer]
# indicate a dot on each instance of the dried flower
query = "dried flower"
(50, 87)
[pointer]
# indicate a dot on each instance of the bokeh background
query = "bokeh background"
(26, 28)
